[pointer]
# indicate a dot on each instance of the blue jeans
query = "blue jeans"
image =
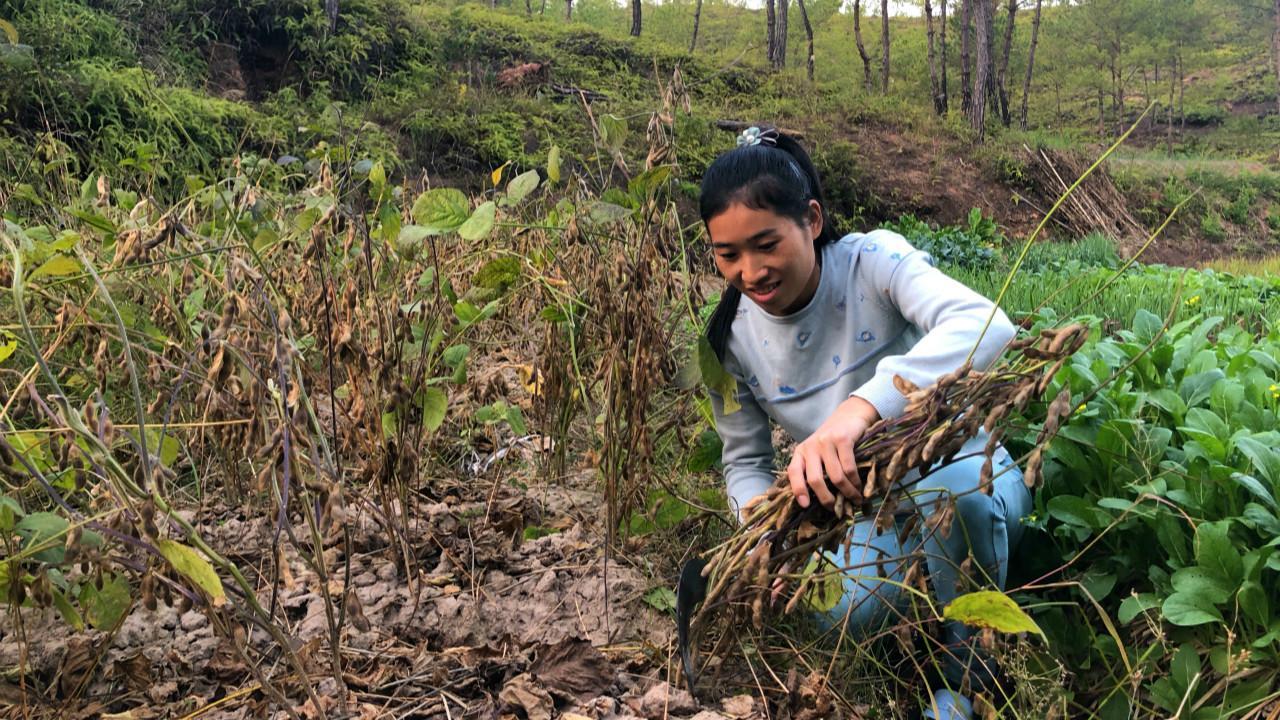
(988, 527)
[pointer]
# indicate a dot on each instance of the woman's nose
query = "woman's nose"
(754, 271)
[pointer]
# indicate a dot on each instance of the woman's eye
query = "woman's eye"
(766, 247)
(728, 256)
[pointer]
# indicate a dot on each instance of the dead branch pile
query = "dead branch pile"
(1096, 206)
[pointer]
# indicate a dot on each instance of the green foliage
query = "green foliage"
(1171, 475)
(974, 245)
(1211, 226)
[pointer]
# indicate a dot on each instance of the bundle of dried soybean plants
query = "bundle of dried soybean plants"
(777, 533)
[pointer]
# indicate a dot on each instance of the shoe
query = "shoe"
(946, 705)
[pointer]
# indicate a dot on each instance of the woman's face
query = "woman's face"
(768, 257)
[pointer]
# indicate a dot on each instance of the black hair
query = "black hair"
(774, 175)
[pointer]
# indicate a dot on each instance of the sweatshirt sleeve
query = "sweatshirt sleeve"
(949, 313)
(748, 448)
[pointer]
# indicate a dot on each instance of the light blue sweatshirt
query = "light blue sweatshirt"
(881, 309)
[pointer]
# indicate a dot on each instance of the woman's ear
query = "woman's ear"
(815, 217)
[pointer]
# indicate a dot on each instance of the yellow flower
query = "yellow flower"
(1194, 299)
(1081, 408)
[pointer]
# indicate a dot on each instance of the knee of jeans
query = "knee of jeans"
(976, 511)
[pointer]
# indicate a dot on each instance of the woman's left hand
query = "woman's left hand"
(828, 453)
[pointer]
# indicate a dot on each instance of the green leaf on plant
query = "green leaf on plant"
(67, 610)
(991, 609)
(441, 210)
(434, 405)
(47, 529)
(480, 224)
(661, 599)
(193, 566)
(105, 607)
(1188, 610)
(57, 266)
(613, 131)
(1215, 551)
(716, 378)
(1134, 605)
(825, 592)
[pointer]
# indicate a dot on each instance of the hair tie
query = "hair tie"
(754, 136)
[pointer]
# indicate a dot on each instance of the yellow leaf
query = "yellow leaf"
(531, 379)
(57, 266)
(991, 609)
(8, 344)
(10, 31)
(497, 174)
(194, 567)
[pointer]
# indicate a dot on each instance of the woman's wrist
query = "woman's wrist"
(861, 409)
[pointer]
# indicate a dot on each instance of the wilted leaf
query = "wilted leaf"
(991, 609)
(600, 212)
(496, 175)
(521, 185)
(10, 32)
(480, 224)
(574, 668)
(553, 164)
(8, 344)
(194, 567)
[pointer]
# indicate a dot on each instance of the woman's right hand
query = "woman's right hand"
(828, 454)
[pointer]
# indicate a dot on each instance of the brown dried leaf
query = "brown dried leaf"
(522, 692)
(574, 668)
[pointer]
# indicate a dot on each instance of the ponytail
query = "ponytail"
(767, 171)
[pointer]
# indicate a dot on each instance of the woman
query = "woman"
(814, 327)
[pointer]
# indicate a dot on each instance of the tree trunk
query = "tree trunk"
(697, 19)
(966, 88)
(933, 63)
(862, 49)
(635, 18)
(1102, 113)
(528, 8)
(1182, 86)
(780, 39)
(1168, 130)
(1002, 76)
(942, 85)
(543, 10)
(1275, 53)
(808, 33)
(568, 9)
(984, 65)
(884, 45)
(1031, 61)
(771, 20)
